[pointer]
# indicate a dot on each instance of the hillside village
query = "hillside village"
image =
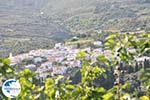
(59, 60)
(75, 49)
(55, 61)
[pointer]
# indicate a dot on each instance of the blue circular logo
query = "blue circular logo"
(11, 88)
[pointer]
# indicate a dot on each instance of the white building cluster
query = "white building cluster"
(55, 61)
(51, 62)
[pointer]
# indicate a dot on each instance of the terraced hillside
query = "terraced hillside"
(80, 16)
(22, 28)
(32, 24)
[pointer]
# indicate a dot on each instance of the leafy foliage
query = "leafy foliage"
(120, 45)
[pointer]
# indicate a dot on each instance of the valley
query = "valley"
(31, 24)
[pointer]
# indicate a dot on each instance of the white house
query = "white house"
(98, 43)
(31, 67)
(59, 45)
